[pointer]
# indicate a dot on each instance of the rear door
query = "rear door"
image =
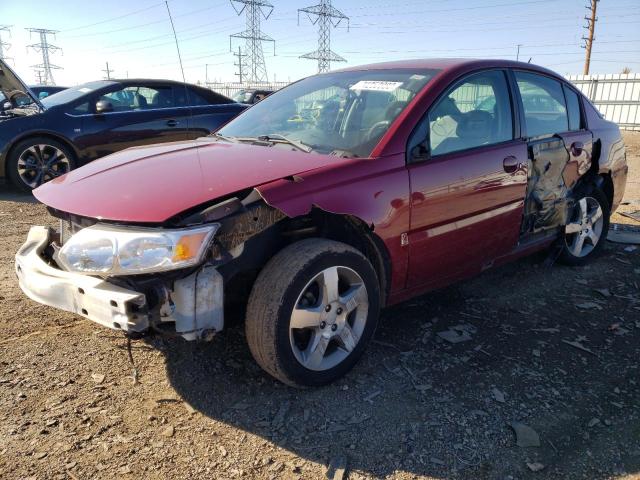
(208, 110)
(559, 147)
(468, 179)
(142, 114)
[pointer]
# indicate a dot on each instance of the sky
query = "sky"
(135, 37)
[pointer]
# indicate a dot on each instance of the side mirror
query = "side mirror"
(420, 152)
(102, 106)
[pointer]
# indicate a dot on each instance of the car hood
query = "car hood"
(10, 83)
(154, 183)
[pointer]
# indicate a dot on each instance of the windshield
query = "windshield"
(73, 93)
(343, 112)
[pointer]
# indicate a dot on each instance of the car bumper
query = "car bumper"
(93, 298)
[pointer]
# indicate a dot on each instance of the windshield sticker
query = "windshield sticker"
(417, 77)
(376, 85)
(84, 90)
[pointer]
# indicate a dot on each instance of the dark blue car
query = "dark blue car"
(65, 130)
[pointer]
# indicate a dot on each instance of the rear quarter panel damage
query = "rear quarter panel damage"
(375, 191)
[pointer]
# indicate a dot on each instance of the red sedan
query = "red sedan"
(330, 199)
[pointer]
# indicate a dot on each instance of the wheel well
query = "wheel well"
(240, 273)
(55, 138)
(607, 187)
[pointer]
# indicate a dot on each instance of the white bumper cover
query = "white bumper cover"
(93, 298)
(194, 304)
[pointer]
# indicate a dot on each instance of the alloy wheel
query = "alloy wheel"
(584, 231)
(40, 163)
(329, 318)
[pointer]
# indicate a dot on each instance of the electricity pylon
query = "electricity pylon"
(253, 67)
(45, 48)
(326, 16)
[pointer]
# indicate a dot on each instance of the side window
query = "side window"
(140, 97)
(194, 99)
(543, 101)
(476, 112)
(573, 109)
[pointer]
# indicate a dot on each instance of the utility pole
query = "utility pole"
(326, 16)
(591, 26)
(253, 69)
(107, 72)
(45, 48)
(4, 45)
(239, 64)
(518, 52)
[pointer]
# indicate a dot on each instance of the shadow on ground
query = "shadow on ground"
(11, 194)
(419, 404)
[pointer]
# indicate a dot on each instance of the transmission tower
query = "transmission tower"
(591, 26)
(4, 45)
(253, 68)
(326, 16)
(45, 48)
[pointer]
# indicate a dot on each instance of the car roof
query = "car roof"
(449, 64)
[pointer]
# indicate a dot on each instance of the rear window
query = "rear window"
(545, 112)
(573, 109)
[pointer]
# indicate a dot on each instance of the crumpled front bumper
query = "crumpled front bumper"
(193, 304)
(93, 298)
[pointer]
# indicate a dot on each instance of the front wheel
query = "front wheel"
(585, 233)
(37, 160)
(312, 311)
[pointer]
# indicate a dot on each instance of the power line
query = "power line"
(44, 47)
(325, 16)
(591, 26)
(255, 69)
(119, 17)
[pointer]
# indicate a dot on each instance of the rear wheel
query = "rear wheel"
(37, 160)
(312, 311)
(586, 231)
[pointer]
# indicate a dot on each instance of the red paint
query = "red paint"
(152, 184)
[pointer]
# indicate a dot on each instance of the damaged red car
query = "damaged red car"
(337, 196)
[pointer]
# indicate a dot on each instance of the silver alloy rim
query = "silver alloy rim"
(583, 233)
(40, 163)
(329, 318)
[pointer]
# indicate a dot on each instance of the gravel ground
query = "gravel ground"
(555, 349)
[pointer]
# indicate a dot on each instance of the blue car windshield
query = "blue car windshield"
(73, 93)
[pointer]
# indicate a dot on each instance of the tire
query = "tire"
(29, 162)
(585, 234)
(296, 278)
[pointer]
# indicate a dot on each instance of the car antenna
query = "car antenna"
(184, 80)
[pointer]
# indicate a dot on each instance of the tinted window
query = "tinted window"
(199, 97)
(138, 97)
(573, 108)
(474, 113)
(543, 101)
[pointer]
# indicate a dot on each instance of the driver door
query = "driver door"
(467, 192)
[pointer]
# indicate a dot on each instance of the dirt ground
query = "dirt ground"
(556, 349)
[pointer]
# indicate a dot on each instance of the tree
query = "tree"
(626, 70)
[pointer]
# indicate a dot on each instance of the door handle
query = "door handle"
(172, 123)
(577, 148)
(511, 164)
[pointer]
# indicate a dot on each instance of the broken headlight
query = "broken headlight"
(109, 250)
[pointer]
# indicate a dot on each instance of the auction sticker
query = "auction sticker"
(376, 85)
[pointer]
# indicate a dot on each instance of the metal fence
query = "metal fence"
(230, 89)
(617, 96)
